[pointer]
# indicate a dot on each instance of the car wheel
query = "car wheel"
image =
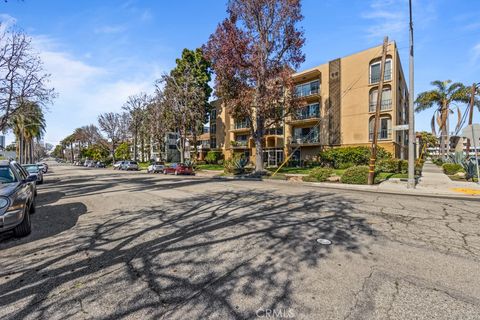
(33, 206)
(40, 182)
(25, 227)
(164, 171)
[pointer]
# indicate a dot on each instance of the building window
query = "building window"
(386, 100)
(306, 135)
(307, 89)
(213, 128)
(242, 124)
(274, 131)
(384, 128)
(375, 71)
(213, 143)
(241, 140)
(308, 112)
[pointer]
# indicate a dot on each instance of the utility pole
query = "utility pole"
(373, 157)
(411, 115)
(470, 116)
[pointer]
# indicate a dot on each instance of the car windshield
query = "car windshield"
(31, 169)
(133, 162)
(159, 163)
(7, 175)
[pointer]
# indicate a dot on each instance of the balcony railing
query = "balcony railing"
(239, 143)
(304, 139)
(241, 125)
(307, 89)
(306, 115)
(384, 134)
(385, 105)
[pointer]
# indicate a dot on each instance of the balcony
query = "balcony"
(239, 144)
(384, 134)
(304, 140)
(307, 89)
(243, 125)
(386, 105)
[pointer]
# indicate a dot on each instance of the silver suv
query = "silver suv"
(129, 165)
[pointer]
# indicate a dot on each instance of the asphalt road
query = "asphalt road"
(111, 245)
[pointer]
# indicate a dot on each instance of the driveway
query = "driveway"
(127, 245)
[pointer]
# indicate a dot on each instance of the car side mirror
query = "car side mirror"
(32, 178)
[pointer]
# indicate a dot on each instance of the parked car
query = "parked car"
(100, 164)
(43, 166)
(156, 167)
(17, 198)
(89, 163)
(178, 168)
(129, 165)
(34, 169)
(117, 165)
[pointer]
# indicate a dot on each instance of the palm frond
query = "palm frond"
(427, 99)
(441, 85)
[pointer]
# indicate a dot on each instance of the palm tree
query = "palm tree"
(27, 124)
(443, 99)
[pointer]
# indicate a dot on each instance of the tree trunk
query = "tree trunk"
(71, 151)
(258, 144)
(135, 146)
(143, 148)
(113, 151)
(444, 133)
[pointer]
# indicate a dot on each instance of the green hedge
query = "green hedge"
(213, 157)
(392, 166)
(355, 175)
(451, 168)
(342, 158)
(319, 174)
(438, 161)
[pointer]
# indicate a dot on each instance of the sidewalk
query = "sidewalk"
(432, 183)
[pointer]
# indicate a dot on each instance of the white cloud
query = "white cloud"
(387, 20)
(391, 18)
(6, 21)
(86, 90)
(475, 54)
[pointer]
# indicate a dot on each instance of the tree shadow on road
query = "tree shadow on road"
(216, 255)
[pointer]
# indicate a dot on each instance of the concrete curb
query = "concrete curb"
(374, 189)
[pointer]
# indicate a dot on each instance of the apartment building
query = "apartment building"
(338, 101)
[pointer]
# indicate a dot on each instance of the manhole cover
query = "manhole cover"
(324, 241)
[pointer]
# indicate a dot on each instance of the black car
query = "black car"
(17, 198)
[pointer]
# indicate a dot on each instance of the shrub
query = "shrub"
(355, 175)
(403, 166)
(236, 164)
(389, 165)
(345, 165)
(320, 174)
(343, 157)
(438, 161)
(213, 156)
(220, 162)
(451, 168)
(199, 163)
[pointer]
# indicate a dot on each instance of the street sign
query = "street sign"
(401, 127)
(467, 132)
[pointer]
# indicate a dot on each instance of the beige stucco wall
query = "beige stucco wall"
(355, 94)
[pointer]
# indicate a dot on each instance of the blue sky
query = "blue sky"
(100, 52)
